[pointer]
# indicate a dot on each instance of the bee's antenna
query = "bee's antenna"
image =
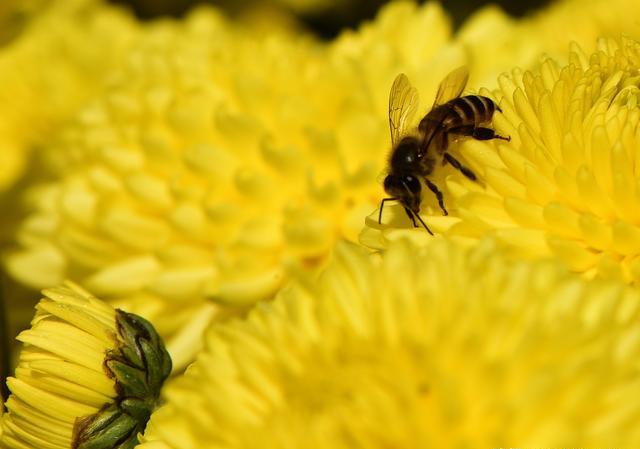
(381, 206)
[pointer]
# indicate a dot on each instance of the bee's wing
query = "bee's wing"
(452, 85)
(403, 103)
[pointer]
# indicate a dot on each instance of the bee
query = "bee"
(414, 154)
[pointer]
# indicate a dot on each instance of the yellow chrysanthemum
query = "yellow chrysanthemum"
(219, 159)
(496, 42)
(436, 347)
(88, 376)
(50, 69)
(566, 183)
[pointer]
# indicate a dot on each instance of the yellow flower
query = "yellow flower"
(88, 376)
(496, 42)
(220, 159)
(49, 69)
(566, 183)
(217, 161)
(437, 347)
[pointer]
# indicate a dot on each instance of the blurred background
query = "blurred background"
(324, 17)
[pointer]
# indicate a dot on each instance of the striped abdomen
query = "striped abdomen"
(473, 110)
(460, 116)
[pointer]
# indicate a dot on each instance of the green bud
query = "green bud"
(139, 365)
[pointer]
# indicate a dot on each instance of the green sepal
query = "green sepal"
(138, 408)
(108, 432)
(130, 381)
(89, 425)
(139, 365)
(155, 365)
(129, 331)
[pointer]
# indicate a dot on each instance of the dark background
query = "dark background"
(327, 23)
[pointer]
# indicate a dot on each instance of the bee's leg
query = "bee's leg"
(442, 143)
(467, 130)
(487, 133)
(465, 170)
(478, 133)
(381, 206)
(438, 193)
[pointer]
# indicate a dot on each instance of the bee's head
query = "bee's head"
(406, 189)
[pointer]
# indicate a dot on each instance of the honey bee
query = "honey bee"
(415, 153)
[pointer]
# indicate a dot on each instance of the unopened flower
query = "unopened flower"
(437, 347)
(88, 376)
(566, 183)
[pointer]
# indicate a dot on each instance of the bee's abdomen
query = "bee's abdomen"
(470, 110)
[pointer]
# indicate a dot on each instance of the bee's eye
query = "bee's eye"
(394, 185)
(412, 183)
(390, 183)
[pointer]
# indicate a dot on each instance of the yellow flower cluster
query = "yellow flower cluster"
(204, 173)
(437, 347)
(566, 182)
(192, 167)
(219, 159)
(193, 176)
